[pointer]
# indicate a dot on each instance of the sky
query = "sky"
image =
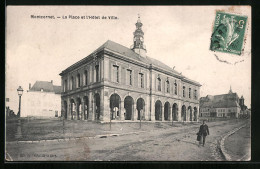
(39, 49)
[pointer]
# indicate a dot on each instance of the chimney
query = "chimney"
(29, 86)
(51, 81)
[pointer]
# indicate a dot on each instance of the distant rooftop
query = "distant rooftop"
(46, 86)
(220, 101)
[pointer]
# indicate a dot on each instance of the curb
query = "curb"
(74, 138)
(222, 147)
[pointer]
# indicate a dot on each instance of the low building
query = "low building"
(120, 83)
(224, 105)
(43, 99)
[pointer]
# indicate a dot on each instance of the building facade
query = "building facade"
(120, 83)
(224, 105)
(43, 99)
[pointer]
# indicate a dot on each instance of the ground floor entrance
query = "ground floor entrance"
(115, 105)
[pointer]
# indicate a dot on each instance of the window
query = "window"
(78, 80)
(65, 86)
(159, 84)
(71, 83)
(167, 86)
(129, 77)
(141, 80)
(183, 91)
(97, 73)
(116, 73)
(195, 94)
(175, 88)
(189, 92)
(86, 77)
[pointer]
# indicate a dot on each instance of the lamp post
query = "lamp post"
(20, 93)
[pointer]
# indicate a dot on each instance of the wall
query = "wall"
(41, 104)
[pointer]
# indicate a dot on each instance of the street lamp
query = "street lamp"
(20, 93)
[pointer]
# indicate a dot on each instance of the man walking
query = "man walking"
(203, 132)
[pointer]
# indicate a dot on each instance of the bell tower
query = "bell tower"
(138, 46)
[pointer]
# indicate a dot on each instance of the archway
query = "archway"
(72, 109)
(190, 113)
(129, 107)
(140, 105)
(97, 106)
(195, 113)
(115, 106)
(166, 110)
(175, 112)
(78, 109)
(158, 110)
(86, 108)
(183, 113)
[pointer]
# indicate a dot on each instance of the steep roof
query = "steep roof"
(220, 101)
(128, 53)
(46, 87)
(113, 46)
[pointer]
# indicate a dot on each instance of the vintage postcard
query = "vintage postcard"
(128, 83)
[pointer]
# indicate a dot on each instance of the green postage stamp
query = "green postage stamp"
(228, 33)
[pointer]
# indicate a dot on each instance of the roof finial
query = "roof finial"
(230, 90)
(139, 20)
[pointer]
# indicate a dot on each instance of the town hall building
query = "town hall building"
(124, 84)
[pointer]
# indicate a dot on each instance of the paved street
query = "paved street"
(157, 144)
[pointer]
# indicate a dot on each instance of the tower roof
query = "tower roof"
(138, 45)
(139, 23)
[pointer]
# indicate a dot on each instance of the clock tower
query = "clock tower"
(138, 46)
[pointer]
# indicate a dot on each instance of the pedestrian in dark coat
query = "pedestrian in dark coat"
(203, 132)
